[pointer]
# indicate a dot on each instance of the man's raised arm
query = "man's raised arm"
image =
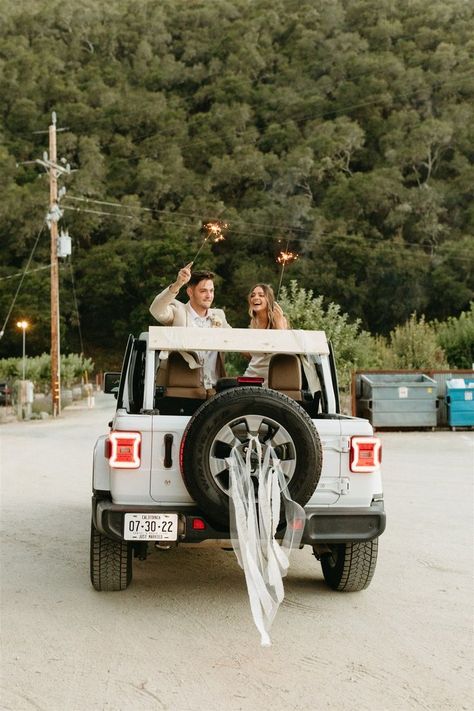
(163, 307)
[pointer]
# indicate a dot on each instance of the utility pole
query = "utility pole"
(53, 228)
(49, 163)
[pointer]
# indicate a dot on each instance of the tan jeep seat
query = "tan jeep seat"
(284, 375)
(181, 380)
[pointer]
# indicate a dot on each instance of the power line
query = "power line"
(30, 271)
(111, 204)
(458, 256)
(139, 208)
(100, 212)
(21, 281)
(76, 306)
(252, 225)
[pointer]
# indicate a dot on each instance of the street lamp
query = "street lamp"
(23, 325)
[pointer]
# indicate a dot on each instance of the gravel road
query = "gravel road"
(181, 637)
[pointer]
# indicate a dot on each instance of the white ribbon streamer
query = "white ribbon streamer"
(254, 525)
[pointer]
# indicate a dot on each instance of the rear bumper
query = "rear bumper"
(108, 519)
(323, 524)
(340, 525)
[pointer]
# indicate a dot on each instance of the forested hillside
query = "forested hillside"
(342, 129)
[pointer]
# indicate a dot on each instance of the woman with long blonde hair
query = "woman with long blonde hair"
(264, 312)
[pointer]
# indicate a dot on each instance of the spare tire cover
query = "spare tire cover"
(227, 420)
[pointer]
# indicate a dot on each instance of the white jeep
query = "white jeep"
(161, 476)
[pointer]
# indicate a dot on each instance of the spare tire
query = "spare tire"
(228, 419)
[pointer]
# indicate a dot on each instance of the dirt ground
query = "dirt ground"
(181, 637)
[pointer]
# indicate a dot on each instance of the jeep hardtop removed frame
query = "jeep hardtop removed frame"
(160, 475)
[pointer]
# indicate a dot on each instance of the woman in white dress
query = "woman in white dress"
(264, 312)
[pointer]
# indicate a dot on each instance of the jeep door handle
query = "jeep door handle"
(168, 461)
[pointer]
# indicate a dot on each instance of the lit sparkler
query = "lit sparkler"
(212, 230)
(285, 257)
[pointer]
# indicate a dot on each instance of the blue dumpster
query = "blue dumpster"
(460, 399)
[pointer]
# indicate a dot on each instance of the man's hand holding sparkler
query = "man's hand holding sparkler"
(212, 230)
(184, 275)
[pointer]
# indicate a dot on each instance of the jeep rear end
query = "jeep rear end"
(140, 491)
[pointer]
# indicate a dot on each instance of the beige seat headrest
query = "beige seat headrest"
(284, 375)
(181, 380)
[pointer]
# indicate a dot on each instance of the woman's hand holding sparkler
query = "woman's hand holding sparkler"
(279, 317)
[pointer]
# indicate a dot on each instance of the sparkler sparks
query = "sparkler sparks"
(214, 229)
(211, 230)
(285, 257)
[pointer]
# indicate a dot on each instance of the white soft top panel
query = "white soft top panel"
(247, 340)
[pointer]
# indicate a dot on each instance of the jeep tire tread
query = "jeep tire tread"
(110, 562)
(350, 566)
(229, 406)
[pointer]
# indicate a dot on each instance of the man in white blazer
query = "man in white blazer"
(197, 312)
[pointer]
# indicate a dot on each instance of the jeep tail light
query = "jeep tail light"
(250, 380)
(365, 454)
(124, 450)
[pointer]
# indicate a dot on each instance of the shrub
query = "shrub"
(456, 337)
(414, 345)
(38, 369)
(10, 369)
(74, 367)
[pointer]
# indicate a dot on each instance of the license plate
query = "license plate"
(150, 527)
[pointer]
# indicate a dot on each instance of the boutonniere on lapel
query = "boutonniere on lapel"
(216, 322)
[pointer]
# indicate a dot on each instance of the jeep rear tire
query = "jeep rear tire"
(349, 567)
(110, 562)
(228, 419)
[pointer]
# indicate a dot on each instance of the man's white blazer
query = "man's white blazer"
(171, 312)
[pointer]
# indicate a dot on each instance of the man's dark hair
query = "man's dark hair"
(196, 277)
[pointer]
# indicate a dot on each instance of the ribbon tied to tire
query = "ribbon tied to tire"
(251, 458)
(253, 525)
